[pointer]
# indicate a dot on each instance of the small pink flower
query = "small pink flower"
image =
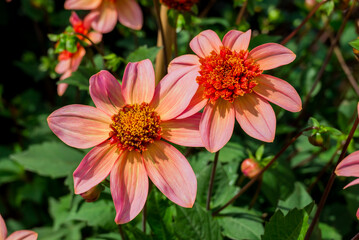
(250, 168)
(126, 128)
(69, 62)
(18, 235)
(106, 12)
(229, 83)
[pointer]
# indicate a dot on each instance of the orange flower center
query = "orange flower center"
(181, 5)
(228, 75)
(134, 127)
(80, 28)
(64, 55)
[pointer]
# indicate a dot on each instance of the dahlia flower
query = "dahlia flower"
(18, 235)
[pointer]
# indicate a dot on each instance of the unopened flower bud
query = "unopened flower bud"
(93, 194)
(316, 140)
(250, 168)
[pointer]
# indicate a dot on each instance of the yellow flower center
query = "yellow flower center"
(228, 75)
(134, 127)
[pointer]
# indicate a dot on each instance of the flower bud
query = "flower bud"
(250, 168)
(316, 140)
(93, 194)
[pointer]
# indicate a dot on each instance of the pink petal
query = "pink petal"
(355, 182)
(271, 55)
(74, 19)
(61, 88)
(106, 92)
(237, 40)
(106, 18)
(170, 171)
(256, 117)
(174, 92)
(130, 14)
(217, 124)
(278, 92)
(357, 214)
(77, 58)
(3, 229)
(95, 37)
(138, 84)
(184, 132)
(23, 235)
(63, 66)
(82, 4)
(349, 166)
(129, 186)
(80, 126)
(205, 42)
(195, 105)
(95, 167)
(188, 60)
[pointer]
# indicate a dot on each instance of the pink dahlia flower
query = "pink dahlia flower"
(18, 235)
(106, 12)
(127, 127)
(69, 62)
(230, 84)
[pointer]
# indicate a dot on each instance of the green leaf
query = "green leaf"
(50, 159)
(80, 78)
(71, 44)
(9, 171)
(61, 210)
(355, 44)
(259, 152)
(53, 37)
(240, 223)
(196, 223)
(142, 53)
(329, 232)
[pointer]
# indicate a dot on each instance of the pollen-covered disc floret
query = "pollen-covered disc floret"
(228, 75)
(134, 127)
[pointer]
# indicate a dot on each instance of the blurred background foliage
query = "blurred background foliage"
(36, 188)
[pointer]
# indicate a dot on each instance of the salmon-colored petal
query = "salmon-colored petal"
(95, 167)
(106, 18)
(95, 37)
(80, 126)
(237, 40)
(174, 92)
(3, 229)
(170, 171)
(355, 182)
(271, 55)
(92, 16)
(129, 186)
(77, 58)
(82, 4)
(278, 92)
(74, 19)
(23, 235)
(195, 105)
(63, 66)
(130, 14)
(205, 42)
(349, 166)
(61, 88)
(256, 117)
(106, 92)
(217, 124)
(188, 60)
(183, 132)
(138, 84)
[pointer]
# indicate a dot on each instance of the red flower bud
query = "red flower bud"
(250, 168)
(93, 194)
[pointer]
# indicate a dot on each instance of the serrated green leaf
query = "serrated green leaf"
(50, 159)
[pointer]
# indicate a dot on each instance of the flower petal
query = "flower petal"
(352, 183)
(205, 42)
(138, 84)
(95, 37)
(195, 105)
(74, 19)
(23, 235)
(80, 126)
(95, 167)
(174, 92)
(63, 66)
(130, 14)
(349, 166)
(188, 60)
(184, 132)
(256, 117)
(106, 92)
(278, 92)
(170, 171)
(3, 229)
(77, 58)
(61, 88)
(82, 4)
(106, 17)
(237, 40)
(129, 186)
(217, 124)
(271, 55)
